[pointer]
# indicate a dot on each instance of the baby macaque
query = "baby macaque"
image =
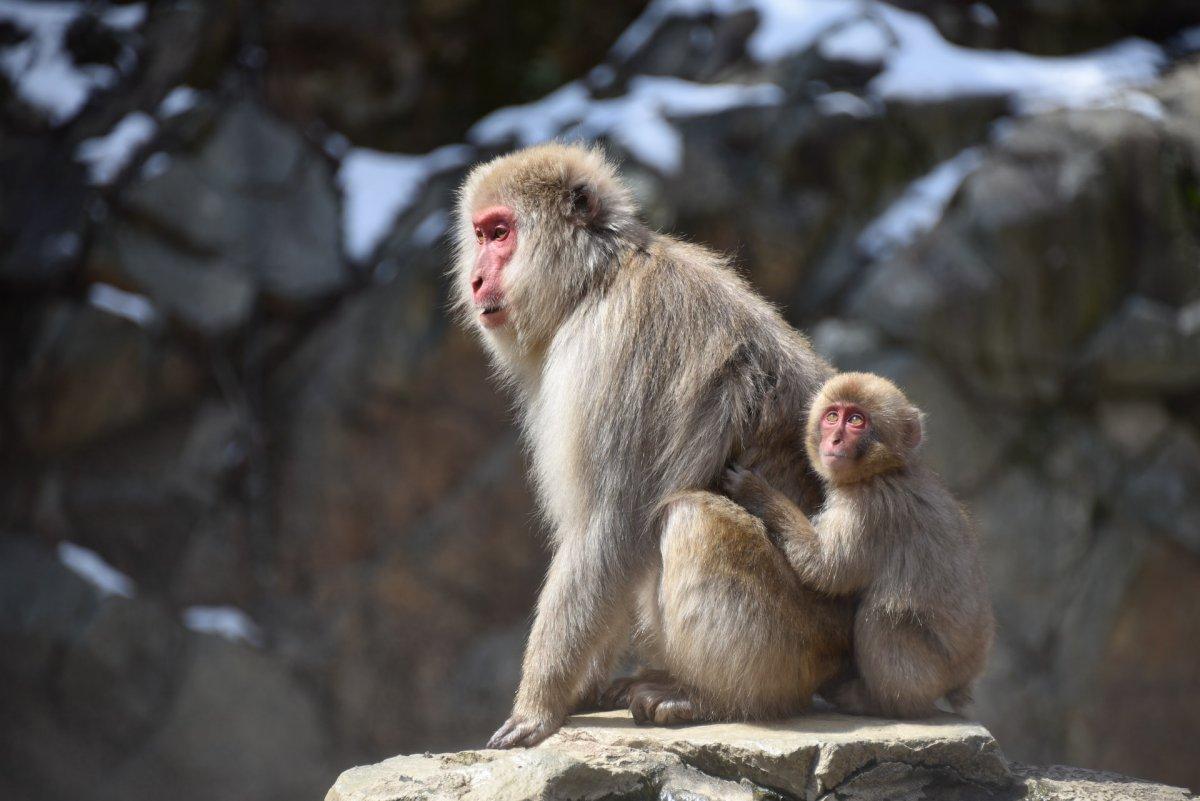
(893, 535)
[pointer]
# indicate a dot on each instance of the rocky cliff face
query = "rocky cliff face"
(260, 505)
(823, 756)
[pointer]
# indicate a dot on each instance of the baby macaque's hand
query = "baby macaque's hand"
(747, 489)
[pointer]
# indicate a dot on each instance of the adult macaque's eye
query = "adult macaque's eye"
(499, 233)
(479, 235)
(831, 416)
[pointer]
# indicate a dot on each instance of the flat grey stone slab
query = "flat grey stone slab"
(605, 755)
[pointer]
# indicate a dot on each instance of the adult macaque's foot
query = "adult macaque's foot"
(662, 704)
(616, 696)
(850, 697)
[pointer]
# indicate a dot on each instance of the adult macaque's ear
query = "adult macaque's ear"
(580, 205)
(914, 429)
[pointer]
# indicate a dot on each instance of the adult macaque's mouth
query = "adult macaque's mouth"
(493, 315)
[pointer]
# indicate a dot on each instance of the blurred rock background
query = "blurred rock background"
(262, 514)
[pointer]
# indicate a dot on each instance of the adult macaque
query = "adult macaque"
(642, 365)
(891, 533)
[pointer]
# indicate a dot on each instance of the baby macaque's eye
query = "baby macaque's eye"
(857, 420)
(831, 416)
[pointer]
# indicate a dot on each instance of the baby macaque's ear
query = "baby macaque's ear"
(914, 429)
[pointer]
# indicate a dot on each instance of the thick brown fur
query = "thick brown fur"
(642, 364)
(892, 534)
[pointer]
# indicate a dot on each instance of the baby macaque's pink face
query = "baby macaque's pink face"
(844, 427)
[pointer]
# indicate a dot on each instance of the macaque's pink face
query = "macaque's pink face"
(842, 428)
(496, 241)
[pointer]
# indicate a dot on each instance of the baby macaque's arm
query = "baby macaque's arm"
(817, 565)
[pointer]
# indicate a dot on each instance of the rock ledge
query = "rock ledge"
(605, 755)
(825, 756)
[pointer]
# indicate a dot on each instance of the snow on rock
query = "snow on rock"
(534, 122)
(640, 31)
(225, 621)
(105, 156)
(924, 66)
(88, 565)
(784, 26)
(920, 207)
(131, 306)
(863, 41)
(639, 120)
(918, 63)
(843, 103)
(41, 69)
(377, 187)
(178, 100)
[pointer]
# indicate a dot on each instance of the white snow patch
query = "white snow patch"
(105, 156)
(863, 41)
(378, 187)
(784, 26)
(832, 103)
(924, 66)
(133, 307)
(224, 621)
(642, 29)
(639, 120)
(431, 228)
(179, 100)
(41, 69)
(920, 207)
(534, 122)
(918, 63)
(88, 565)
(125, 18)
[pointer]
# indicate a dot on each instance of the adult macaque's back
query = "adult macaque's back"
(643, 364)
